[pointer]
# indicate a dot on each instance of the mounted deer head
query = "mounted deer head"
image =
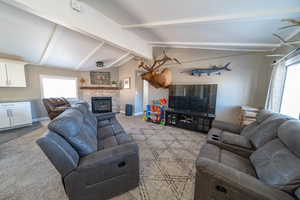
(158, 79)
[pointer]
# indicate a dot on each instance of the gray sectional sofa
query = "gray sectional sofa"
(245, 141)
(94, 155)
(259, 162)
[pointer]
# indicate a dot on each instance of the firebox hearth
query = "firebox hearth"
(101, 104)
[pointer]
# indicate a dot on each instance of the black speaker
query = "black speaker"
(128, 109)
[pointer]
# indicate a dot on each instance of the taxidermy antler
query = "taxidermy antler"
(292, 21)
(157, 63)
(156, 79)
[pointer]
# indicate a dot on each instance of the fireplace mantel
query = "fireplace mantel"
(99, 88)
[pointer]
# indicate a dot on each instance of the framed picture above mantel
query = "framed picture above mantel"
(100, 78)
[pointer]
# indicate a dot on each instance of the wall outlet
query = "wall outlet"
(76, 5)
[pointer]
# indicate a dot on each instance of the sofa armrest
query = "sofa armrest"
(217, 181)
(60, 109)
(108, 163)
(225, 126)
(105, 116)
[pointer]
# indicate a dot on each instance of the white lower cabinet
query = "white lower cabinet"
(4, 119)
(13, 115)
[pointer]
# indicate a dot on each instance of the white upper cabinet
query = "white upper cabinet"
(15, 75)
(12, 74)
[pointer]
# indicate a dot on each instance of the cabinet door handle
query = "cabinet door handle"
(9, 113)
(9, 116)
(6, 73)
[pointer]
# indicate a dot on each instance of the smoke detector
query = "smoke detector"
(76, 5)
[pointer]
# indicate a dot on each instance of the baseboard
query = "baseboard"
(138, 113)
(40, 119)
(135, 114)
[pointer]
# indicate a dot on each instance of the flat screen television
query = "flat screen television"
(197, 98)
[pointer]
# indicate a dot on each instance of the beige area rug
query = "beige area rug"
(167, 164)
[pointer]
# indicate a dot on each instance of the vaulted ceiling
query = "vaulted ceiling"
(207, 24)
(50, 32)
(39, 41)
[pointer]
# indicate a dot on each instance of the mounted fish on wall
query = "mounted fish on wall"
(208, 71)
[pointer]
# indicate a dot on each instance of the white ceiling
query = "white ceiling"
(233, 25)
(211, 24)
(39, 41)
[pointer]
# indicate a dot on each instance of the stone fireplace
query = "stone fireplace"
(87, 95)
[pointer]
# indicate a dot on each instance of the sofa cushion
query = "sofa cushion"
(108, 143)
(289, 134)
(262, 115)
(236, 140)
(275, 165)
(105, 132)
(116, 126)
(103, 123)
(87, 116)
(267, 130)
(80, 135)
(84, 108)
(249, 130)
(227, 158)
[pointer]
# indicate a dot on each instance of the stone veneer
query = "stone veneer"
(115, 94)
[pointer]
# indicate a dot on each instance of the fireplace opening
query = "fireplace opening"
(101, 104)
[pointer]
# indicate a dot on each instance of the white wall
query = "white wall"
(33, 90)
(246, 84)
(127, 96)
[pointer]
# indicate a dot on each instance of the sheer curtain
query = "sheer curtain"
(276, 87)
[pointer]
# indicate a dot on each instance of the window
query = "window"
(291, 96)
(58, 86)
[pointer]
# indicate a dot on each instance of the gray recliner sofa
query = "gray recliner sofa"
(245, 140)
(94, 155)
(272, 172)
